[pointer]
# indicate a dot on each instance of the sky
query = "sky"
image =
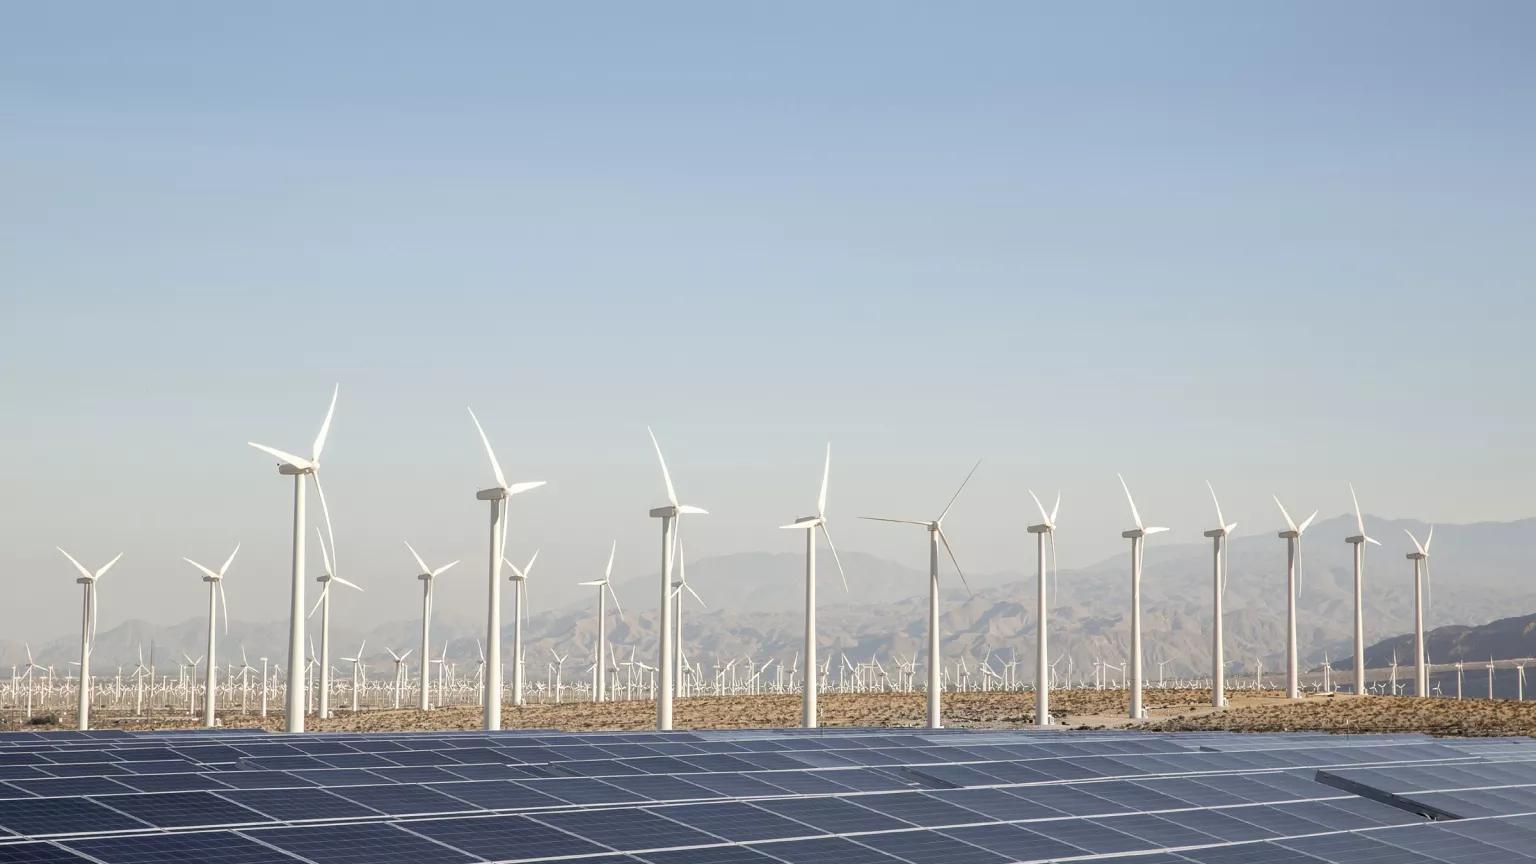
(1278, 246)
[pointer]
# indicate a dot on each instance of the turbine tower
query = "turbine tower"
(323, 605)
(428, 578)
(88, 579)
(519, 616)
(498, 496)
(1420, 558)
(1138, 537)
(215, 582)
(935, 535)
(604, 591)
(1046, 528)
(1358, 541)
(297, 467)
(1218, 537)
(668, 515)
(1292, 536)
(809, 524)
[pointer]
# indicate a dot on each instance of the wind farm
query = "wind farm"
(968, 360)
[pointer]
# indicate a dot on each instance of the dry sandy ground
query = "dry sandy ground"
(1169, 710)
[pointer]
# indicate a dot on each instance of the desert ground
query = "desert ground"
(1169, 710)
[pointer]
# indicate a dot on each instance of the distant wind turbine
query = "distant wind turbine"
(519, 617)
(604, 591)
(1138, 537)
(88, 580)
(1292, 536)
(498, 496)
(1218, 536)
(1421, 596)
(298, 467)
(809, 524)
(935, 536)
(1358, 541)
(428, 577)
(1046, 528)
(215, 582)
(323, 603)
(668, 514)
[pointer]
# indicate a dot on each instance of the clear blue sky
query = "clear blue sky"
(1281, 246)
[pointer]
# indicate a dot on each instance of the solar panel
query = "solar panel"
(737, 821)
(503, 837)
(931, 847)
(41, 817)
(223, 847)
(37, 853)
(628, 830)
(402, 799)
(293, 805)
(374, 843)
(183, 809)
(827, 850)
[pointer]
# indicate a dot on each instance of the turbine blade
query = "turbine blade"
(445, 568)
(205, 570)
(420, 563)
(228, 561)
(1359, 519)
(284, 456)
(835, 559)
(826, 472)
(897, 521)
(108, 566)
(1135, 515)
(318, 600)
(955, 562)
(611, 593)
(520, 488)
(501, 480)
(665, 475)
(325, 427)
(608, 571)
(325, 511)
(529, 568)
(223, 604)
(809, 523)
(1288, 523)
(1055, 508)
(78, 566)
(1428, 542)
(958, 491)
(341, 581)
(1044, 517)
(689, 589)
(1373, 541)
(1305, 522)
(689, 508)
(1220, 520)
(1416, 544)
(1150, 531)
(325, 556)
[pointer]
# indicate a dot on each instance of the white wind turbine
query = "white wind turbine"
(297, 467)
(668, 514)
(604, 591)
(1138, 537)
(1420, 558)
(935, 535)
(1218, 536)
(809, 524)
(357, 668)
(215, 582)
(323, 603)
(678, 588)
(1358, 541)
(1045, 529)
(428, 578)
(519, 617)
(399, 672)
(88, 580)
(498, 496)
(1292, 537)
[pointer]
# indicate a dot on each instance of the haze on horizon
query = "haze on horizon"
(1280, 248)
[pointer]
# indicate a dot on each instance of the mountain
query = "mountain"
(1480, 572)
(1504, 639)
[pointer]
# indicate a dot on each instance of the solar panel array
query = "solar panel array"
(763, 797)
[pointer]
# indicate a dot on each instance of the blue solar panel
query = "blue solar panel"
(219, 847)
(359, 844)
(292, 805)
(39, 817)
(503, 837)
(183, 809)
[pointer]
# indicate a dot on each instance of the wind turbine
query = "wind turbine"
(1045, 529)
(1292, 536)
(298, 467)
(1420, 558)
(809, 524)
(678, 587)
(498, 496)
(935, 535)
(604, 591)
(357, 664)
(215, 582)
(519, 615)
(323, 603)
(88, 580)
(1218, 537)
(668, 515)
(1138, 537)
(428, 578)
(1358, 541)
(399, 671)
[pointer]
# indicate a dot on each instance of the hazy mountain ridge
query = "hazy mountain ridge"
(756, 602)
